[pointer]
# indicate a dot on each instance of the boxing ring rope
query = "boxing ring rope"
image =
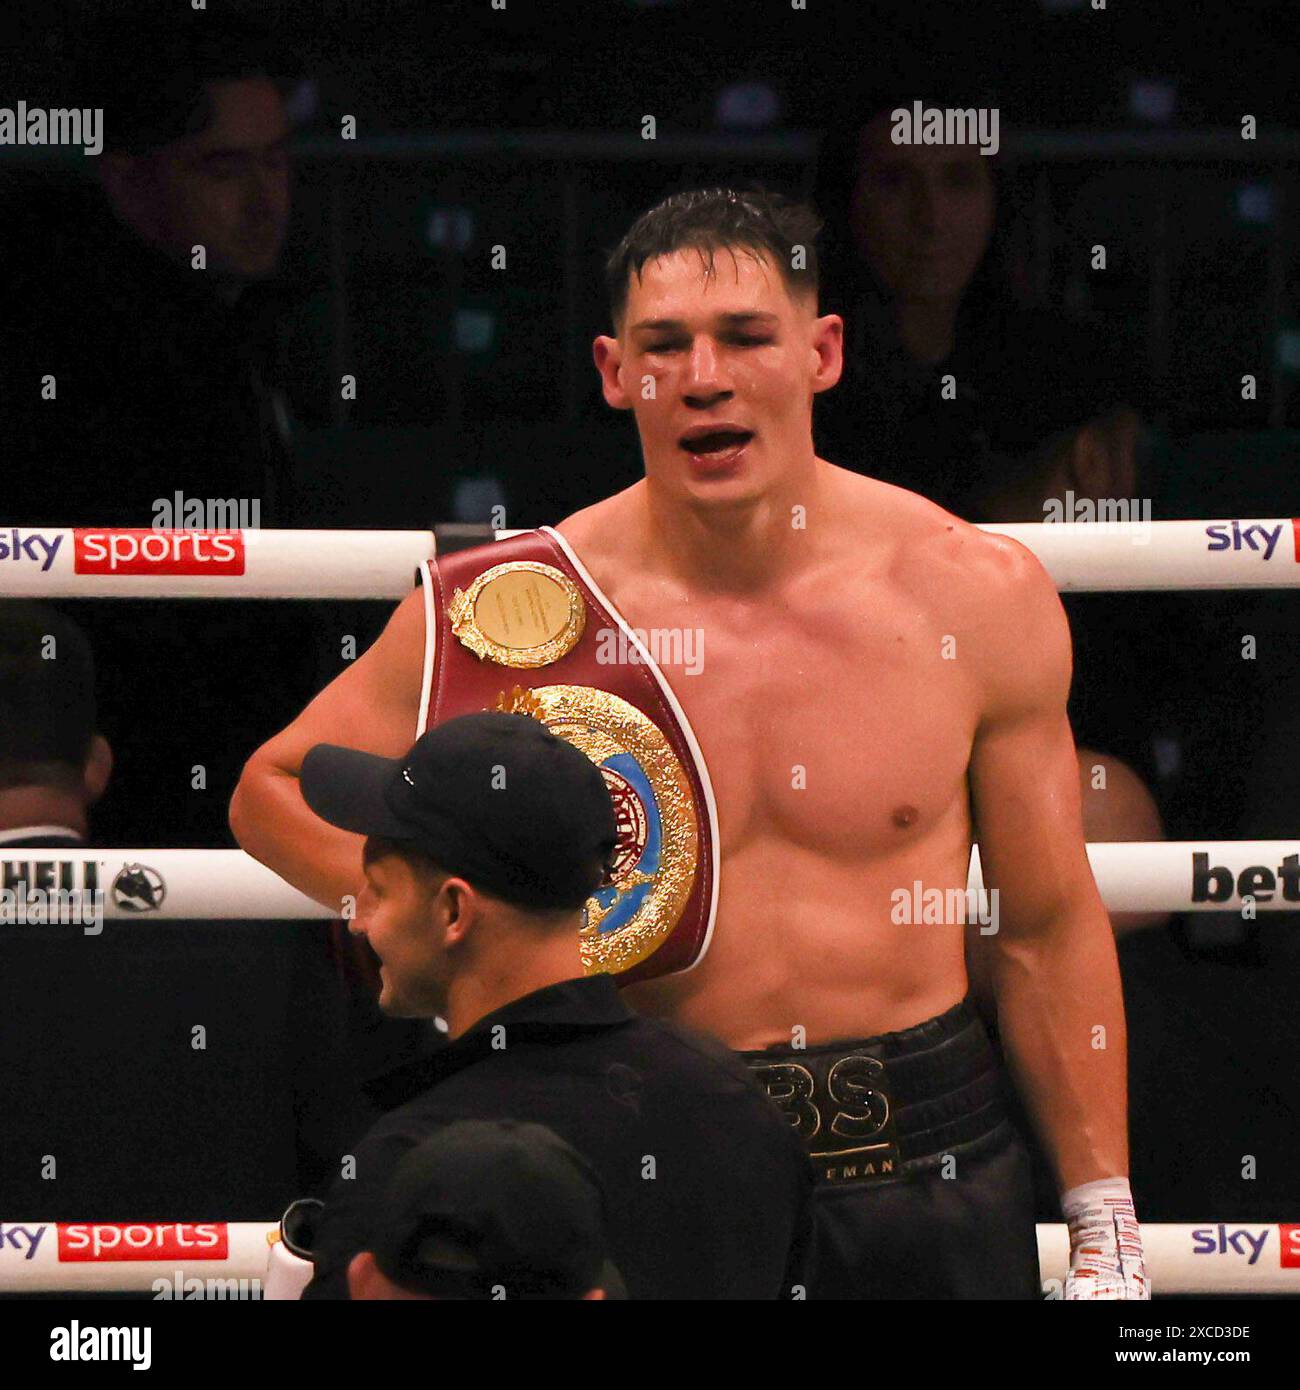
(227, 884)
(1080, 556)
(1212, 1257)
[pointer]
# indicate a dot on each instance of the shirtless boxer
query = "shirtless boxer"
(881, 684)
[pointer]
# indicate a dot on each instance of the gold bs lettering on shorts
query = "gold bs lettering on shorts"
(840, 1107)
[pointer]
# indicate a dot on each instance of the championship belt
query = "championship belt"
(518, 625)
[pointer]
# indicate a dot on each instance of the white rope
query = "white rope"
(1208, 1258)
(88, 563)
(1107, 556)
(226, 884)
(1190, 875)
(56, 562)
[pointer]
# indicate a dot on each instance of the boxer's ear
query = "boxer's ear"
(828, 347)
(607, 353)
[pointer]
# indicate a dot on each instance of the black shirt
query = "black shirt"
(709, 1193)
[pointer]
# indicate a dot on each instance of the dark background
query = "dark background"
(523, 128)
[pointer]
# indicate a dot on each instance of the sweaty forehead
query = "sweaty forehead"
(683, 284)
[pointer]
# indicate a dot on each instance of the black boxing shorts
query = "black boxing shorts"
(924, 1187)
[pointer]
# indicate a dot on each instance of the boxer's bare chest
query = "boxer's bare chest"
(833, 713)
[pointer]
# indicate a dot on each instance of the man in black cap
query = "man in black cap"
(483, 845)
(490, 1209)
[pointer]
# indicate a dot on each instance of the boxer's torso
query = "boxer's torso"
(837, 735)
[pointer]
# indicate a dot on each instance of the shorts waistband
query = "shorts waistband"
(880, 1107)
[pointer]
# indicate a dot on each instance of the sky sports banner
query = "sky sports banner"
(145, 562)
(248, 562)
(37, 1256)
(45, 1256)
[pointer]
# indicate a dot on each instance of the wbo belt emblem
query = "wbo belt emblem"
(654, 867)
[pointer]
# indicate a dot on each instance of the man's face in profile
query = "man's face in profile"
(728, 350)
(922, 215)
(397, 914)
(227, 188)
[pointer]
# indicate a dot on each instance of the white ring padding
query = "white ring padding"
(1188, 875)
(1107, 557)
(1080, 557)
(217, 884)
(1209, 1257)
(265, 564)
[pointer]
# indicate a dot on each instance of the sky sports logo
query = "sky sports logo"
(1253, 536)
(169, 1241)
(133, 551)
(145, 551)
(1248, 1242)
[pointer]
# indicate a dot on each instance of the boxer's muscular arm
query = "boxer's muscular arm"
(1051, 963)
(372, 705)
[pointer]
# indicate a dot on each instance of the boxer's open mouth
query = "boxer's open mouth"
(712, 442)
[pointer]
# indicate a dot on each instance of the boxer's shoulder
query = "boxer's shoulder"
(940, 553)
(600, 531)
(994, 596)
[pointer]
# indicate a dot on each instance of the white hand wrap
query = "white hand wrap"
(1105, 1242)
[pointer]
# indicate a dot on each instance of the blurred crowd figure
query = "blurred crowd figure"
(115, 1110)
(141, 362)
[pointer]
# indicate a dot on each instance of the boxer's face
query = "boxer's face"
(399, 915)
(720, 370)
(922, 215)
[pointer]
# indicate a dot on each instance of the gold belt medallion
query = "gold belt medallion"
(655, 863)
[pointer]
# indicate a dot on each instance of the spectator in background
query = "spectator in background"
(165, 370)
(165, 381)
(54, 764)
(915, 255)
(489, 1209)
(113, 1110)
(915, 252)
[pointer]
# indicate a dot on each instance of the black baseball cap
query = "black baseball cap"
(488, 1204)
(494, 798)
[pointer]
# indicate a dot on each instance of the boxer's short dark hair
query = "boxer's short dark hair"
(709, 220)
